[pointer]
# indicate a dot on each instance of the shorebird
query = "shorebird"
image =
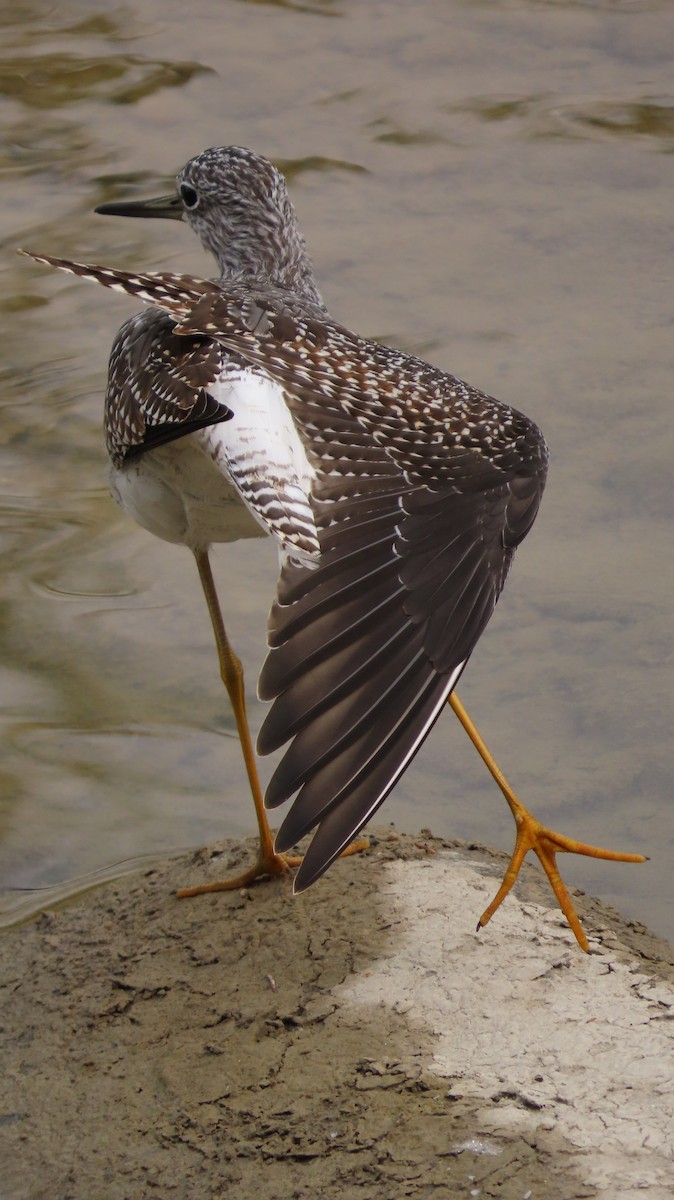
(396, 493)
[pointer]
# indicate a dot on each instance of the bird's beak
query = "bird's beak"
(164, 206)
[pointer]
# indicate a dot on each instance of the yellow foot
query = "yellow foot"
(532, 835)
(266, 865)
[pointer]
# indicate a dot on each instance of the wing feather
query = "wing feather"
(159, 386)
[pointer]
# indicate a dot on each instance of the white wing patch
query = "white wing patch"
(259, 449)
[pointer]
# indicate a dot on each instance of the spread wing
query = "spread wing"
(424, 487)
(365, 650)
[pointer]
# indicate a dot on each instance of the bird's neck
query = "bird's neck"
(279, 257)
(295, 275)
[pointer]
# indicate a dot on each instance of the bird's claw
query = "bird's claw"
(546, 844)
(267, 864)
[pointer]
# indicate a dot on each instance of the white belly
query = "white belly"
(178, 493)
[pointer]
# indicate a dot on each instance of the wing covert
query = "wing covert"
(158, 386)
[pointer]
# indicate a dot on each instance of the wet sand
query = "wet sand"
(359, 1040)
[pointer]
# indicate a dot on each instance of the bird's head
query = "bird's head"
(237, 203)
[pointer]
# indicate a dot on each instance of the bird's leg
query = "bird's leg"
(268, 861)
(532, 835)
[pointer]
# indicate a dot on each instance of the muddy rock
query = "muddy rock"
(360, 1040)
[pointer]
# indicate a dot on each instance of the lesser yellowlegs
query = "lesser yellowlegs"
(396, 493)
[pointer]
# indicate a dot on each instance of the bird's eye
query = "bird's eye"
(190, 198)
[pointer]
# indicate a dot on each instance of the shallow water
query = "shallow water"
(487, 184)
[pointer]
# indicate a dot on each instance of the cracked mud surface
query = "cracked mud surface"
(360, 1040)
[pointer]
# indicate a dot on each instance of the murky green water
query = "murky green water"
(489, 184)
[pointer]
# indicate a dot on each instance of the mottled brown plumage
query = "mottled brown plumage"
(424, 486)
(396, 492)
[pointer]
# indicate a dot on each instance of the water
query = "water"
(487, 184)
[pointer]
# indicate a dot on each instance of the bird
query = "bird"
(396, 494)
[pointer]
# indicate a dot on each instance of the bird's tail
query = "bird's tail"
(177, 294)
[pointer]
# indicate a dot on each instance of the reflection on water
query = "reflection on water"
(294, 168)
(54, 80)
(547, 116)
(485, 183)
(384, 131)
(320, 8)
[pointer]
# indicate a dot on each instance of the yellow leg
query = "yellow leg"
(268, 862)
(532, 835)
